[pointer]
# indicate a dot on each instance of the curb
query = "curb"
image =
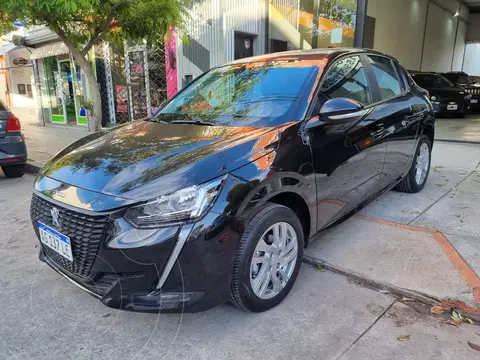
(33, 167)
(402, 292)
(472, 142)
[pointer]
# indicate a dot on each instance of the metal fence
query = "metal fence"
(132, 80)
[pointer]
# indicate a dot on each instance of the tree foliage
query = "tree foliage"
(81, 24)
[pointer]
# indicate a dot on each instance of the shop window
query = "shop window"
(22, 89)
(308, 24)
(386, 76)
(29, 91)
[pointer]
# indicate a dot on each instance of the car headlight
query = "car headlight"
(433, 98)
(183, 205)
(468, 97)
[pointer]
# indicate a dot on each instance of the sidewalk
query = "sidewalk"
(423, 245)
(45, 141)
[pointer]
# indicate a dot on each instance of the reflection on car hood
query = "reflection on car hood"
(142, 160)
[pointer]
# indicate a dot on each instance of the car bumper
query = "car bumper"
(183, 268)
(442, 107)
(475, 105)
(12, 150)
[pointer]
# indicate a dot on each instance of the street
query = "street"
(326, 316)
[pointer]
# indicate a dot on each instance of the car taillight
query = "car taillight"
(13, 124)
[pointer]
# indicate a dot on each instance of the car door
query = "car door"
(347, 159)
(399, 113)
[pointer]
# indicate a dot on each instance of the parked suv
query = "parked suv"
(446, 97)
(215, 198)
(462, 79)
(13, 152)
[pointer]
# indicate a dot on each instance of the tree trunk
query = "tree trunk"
(95, 113)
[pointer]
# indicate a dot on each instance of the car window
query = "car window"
(347, 79)
(386, 76)
(432, 81)
(2, 106)
(250, 94)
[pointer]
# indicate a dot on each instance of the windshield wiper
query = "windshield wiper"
(195, 122)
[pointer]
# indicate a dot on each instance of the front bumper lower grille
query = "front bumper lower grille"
(86, 234)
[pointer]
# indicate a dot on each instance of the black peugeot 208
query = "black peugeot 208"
(215, 197)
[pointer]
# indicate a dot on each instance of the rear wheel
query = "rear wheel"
(14, 171)
(268, 259)
(417, 176)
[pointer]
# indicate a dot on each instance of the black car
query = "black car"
(215, 197)
(13, 152)
(447, 98)
(462, 79)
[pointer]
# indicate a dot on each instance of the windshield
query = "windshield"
(459, 79)
(432, 81)
(250, 94)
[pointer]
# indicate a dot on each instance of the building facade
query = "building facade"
(135, 79)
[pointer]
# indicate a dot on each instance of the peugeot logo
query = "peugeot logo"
(55, 216)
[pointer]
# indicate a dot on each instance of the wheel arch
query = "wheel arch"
(429, 131)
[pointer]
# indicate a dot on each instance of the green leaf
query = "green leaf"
(456, 316)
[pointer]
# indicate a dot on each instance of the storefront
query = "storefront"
(135, 79)
(61, 85)
(220, 31)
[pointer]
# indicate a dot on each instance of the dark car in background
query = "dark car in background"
(446, 97)
(462, 79)
(216, 196)
(13, 152)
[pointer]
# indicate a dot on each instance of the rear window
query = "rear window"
(459, 78)
(2, 106)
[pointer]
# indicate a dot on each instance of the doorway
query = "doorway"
(243, 45)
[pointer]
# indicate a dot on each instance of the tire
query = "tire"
(14, 171)
(242, 293)
(409, 183)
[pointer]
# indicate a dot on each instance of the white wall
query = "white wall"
(473, 33)
(460, 46)
(399, 27)
(439, 40)
(23, 106)
(472, 59)
(400, 31)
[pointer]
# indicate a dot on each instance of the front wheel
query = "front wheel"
(417, 176)
(268, 259)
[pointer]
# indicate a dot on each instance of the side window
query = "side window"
(346, 79)
(387, 77)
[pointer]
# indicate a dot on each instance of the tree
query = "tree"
(81, 24)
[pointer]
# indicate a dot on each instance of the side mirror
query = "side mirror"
(340, 111)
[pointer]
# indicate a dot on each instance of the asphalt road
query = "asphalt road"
(326, 316)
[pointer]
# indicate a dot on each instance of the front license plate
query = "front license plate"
(452, 107)
(474, 101)
(55, 241)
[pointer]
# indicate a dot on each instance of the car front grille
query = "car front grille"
(86, 234)
(474, 91)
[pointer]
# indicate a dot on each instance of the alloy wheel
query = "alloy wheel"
(422, 164)
(273, 260)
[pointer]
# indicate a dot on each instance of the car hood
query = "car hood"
(144, 159)
(447, 91)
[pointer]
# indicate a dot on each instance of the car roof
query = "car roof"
(330, 53)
